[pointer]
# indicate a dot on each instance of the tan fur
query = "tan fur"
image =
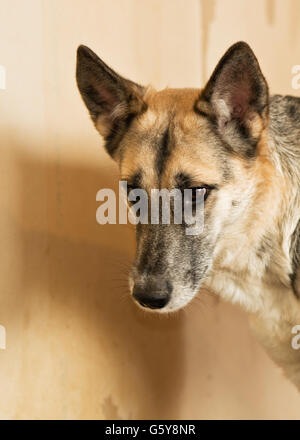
(237, 274)
(198, 160)
(219, 137)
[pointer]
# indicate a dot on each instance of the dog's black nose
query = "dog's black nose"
(154, 295)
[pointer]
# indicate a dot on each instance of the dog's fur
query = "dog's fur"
(243, 146)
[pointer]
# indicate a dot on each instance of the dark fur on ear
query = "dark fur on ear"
(236, 98)
(112, 101)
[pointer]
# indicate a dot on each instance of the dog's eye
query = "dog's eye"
(133, 194)
(196, 195)
(130, 188)
(133, 190)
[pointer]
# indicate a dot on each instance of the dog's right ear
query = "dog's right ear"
(237, 98)
(112, 101)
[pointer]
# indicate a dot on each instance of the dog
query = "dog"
(240, 146)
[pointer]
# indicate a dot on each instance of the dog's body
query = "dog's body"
(243, 148)
(261, 272)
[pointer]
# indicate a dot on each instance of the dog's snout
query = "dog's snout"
(154, 295)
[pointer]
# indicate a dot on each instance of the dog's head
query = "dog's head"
(209, 140)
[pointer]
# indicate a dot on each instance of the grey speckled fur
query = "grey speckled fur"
(285, 132)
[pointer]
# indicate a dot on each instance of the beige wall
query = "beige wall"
(76, 345)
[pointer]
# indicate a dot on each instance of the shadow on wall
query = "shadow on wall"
(83, 348)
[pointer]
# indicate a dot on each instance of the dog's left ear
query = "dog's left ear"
(236, 98)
